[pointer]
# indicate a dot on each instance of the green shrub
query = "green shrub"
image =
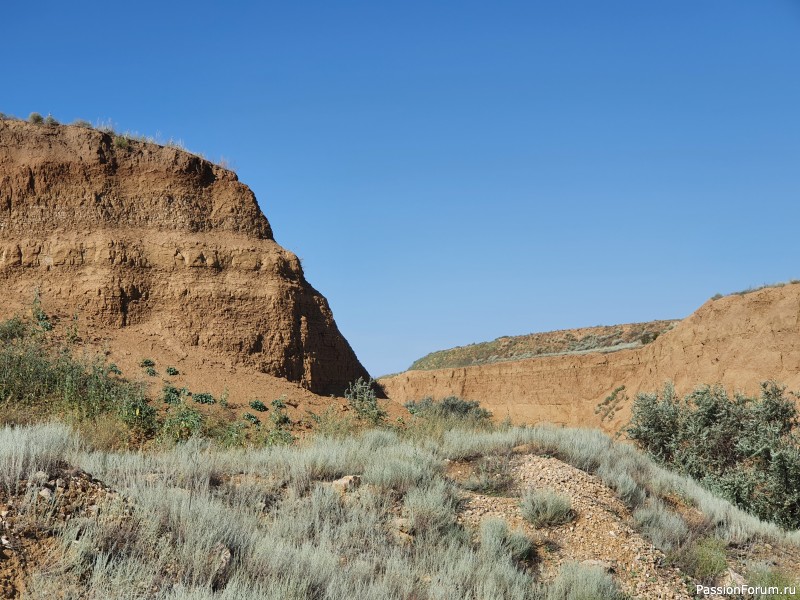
(35, 118)
(82, 123)
(43, 379)
(258, 405)
(774, 578)
(450, 407)
(172, 371)
(744, 449)
(147, 362)
(150, 371)
(704, 559)
(50, 120)
(251, 418)
(546, 508)
(233, 435)
(496, 540)
(204, 398)
(279, 416)
(122, 142)
(172, 395)
(12, 329)
(39, 316)
(361, 397)
(181, 423)
(137, 414)
(279, 437)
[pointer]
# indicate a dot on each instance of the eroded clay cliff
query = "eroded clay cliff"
(133, 234)
(738, 341)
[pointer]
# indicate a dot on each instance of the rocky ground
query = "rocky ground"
(29, 516)
(601, 533)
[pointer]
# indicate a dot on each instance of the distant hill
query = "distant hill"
(566, 341)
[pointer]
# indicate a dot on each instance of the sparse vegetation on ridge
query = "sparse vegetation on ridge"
(758, 288)
(121, 141)
(553, 343)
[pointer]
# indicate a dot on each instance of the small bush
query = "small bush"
(172, 395)
(279, 416)
(147, 362)
(546, 508)
(251, 418)
(450, 407)
(12, 329)
(361, 397)
(39, 316)
(50, 120)
(431, 509)
(150, 371)
(233, 435)
(204, 398)
(491, 476)
(775, 578)
(331, 423)
(279, 437)
(648, 337)
(665, 529)
(704, 559)
(137, 413)
(121, 142)
(578, 582)
(172, 371)
(497, 541)
(35, 118)
(82, 123)
(258, 405)
(181, 423)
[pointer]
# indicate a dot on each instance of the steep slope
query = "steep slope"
(737, 341)
(134, 237)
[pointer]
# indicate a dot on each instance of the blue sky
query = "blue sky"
(451, 172)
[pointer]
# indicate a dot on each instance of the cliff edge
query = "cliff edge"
(130, 234)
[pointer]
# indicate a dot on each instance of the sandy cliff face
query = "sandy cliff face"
(162, 241)
(737, 341)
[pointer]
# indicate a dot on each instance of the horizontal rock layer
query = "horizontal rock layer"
(138, 234)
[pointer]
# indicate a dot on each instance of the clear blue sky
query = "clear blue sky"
(450, 172)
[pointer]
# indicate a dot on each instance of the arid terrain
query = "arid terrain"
(154, 249)
(737, 340)
(180, 418)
